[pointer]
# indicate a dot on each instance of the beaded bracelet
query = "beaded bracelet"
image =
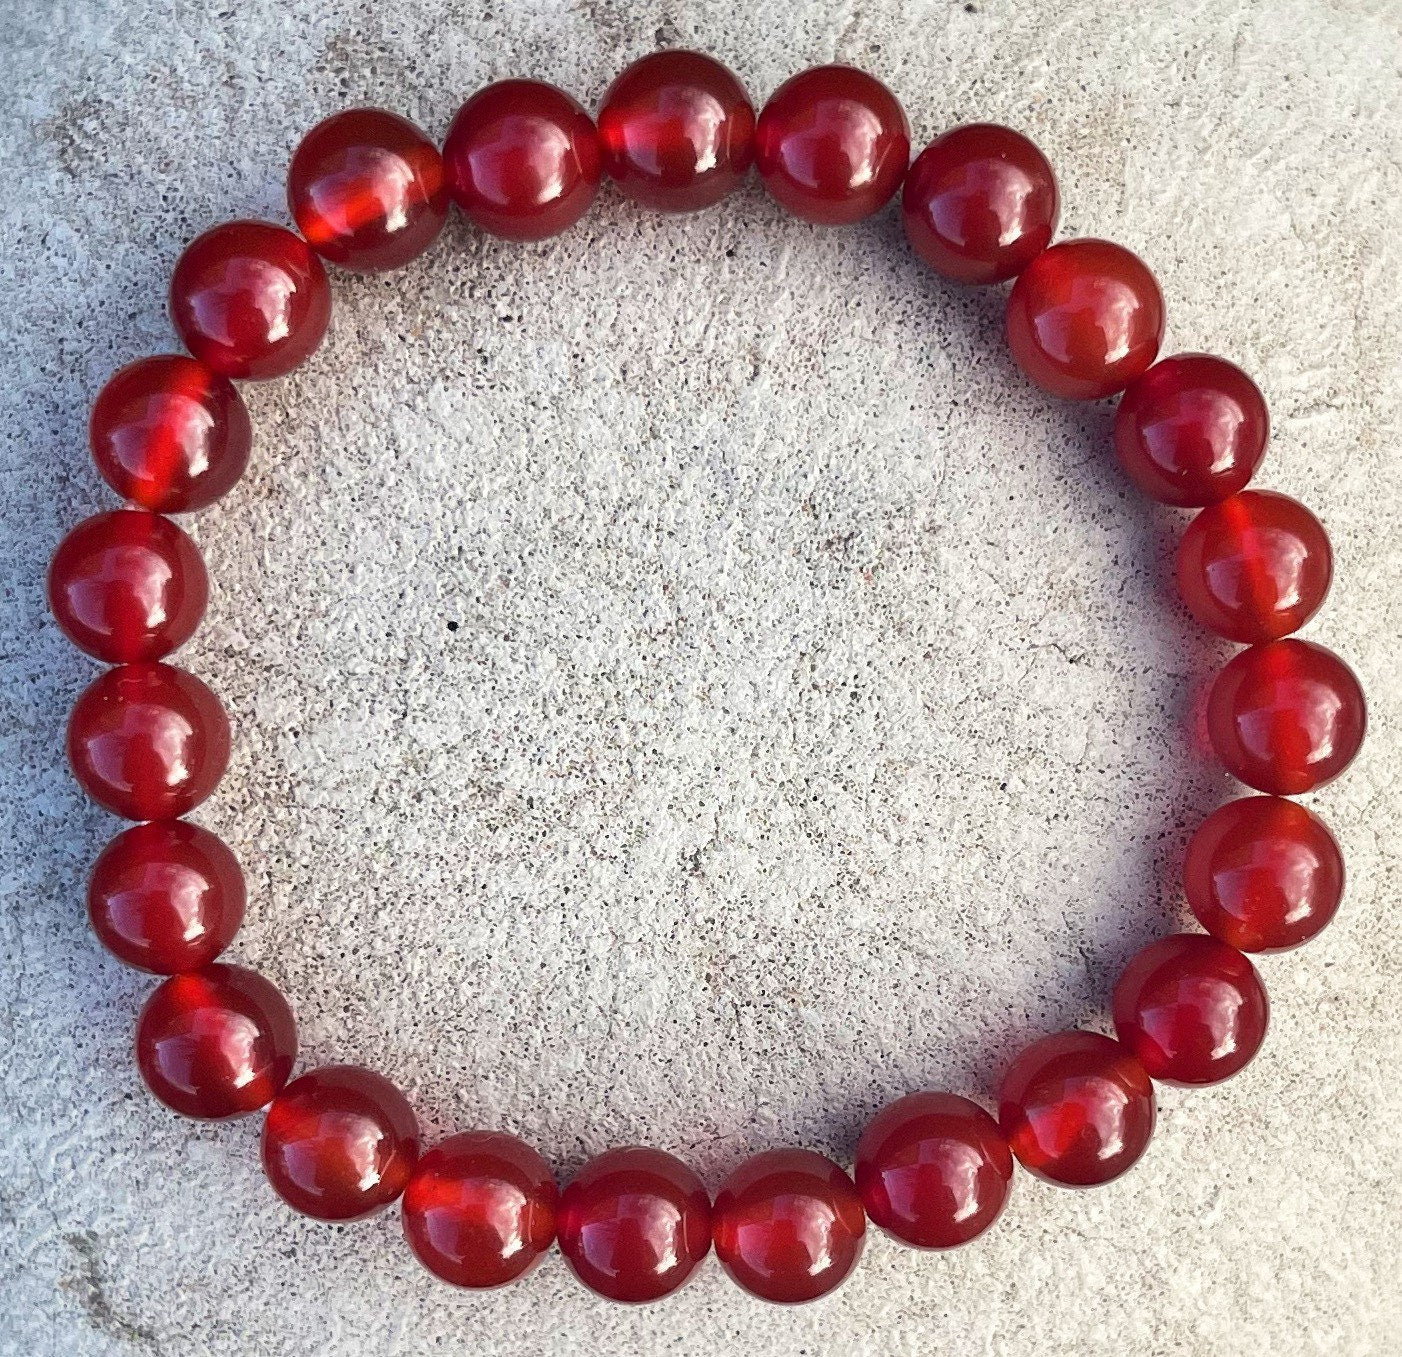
(676, 132)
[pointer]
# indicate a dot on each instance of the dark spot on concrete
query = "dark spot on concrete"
(614, 22)
(352, 64)
(75, 133)
(86, 1283)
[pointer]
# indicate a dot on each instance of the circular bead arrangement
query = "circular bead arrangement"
(676, 132)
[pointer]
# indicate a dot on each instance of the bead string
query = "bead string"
(148, 741)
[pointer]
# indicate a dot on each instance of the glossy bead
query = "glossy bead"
(1077, 1108)
(148, 741)
(366, 190)
(479, 1210)
(980, 203)
(1085, 318)
(677, 131)
(166, 897)
(832, 145)
(634, 1223)
(1263, 874)
(127, 586)
(522, 160)
(1192, 430)
(1254, 567)
(216, 1043)
(170, 434)
(789, 1226)
(1286, 717)
(339, 1143)
(1192, 1009)
(933, 1170)
(250, 299)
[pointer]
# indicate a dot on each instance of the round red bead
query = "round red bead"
(127, 586)
(479, 1210)
(1263, 874)
(832, 145)
(1286, 717)
(677, 131)
(170, 434)
(166, 897)
(148, 741)
(339, 1143)
(250, 299)
(980, 203)
(216, 1043)
(1192, 430)
(366, 189)
(522, 160)
(1077, 1108)
(1192, 1009)
(1085, 318)
(789, 1226)
(1254, 567)
(634, 1223)
(933, 1170)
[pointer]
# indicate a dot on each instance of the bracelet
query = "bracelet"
(676, 132)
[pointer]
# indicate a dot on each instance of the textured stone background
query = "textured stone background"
(689, 690)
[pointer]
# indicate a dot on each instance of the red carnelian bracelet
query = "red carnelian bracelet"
(523, 160)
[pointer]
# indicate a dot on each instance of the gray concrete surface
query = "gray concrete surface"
(689, 690)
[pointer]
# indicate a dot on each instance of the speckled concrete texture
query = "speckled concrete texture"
(688, 688)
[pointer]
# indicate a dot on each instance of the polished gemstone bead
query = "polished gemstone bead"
(634, 1223)
(170, 434)
(250, 299)
(216, 1043)
(677, 131)
(1254, 567)
(980, 203)
(933, 1170)
(367, 191)
(479, 1210)
(1286, 717)
(166, 897)
(1263, 874)
(1192, 430)
(789, 1226)
(127, 586)
(339, 1143)
(148, 741)
(522, 160)
(1192, 1009)
(832, 145)
(1085, 318)
(1077, 1108)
